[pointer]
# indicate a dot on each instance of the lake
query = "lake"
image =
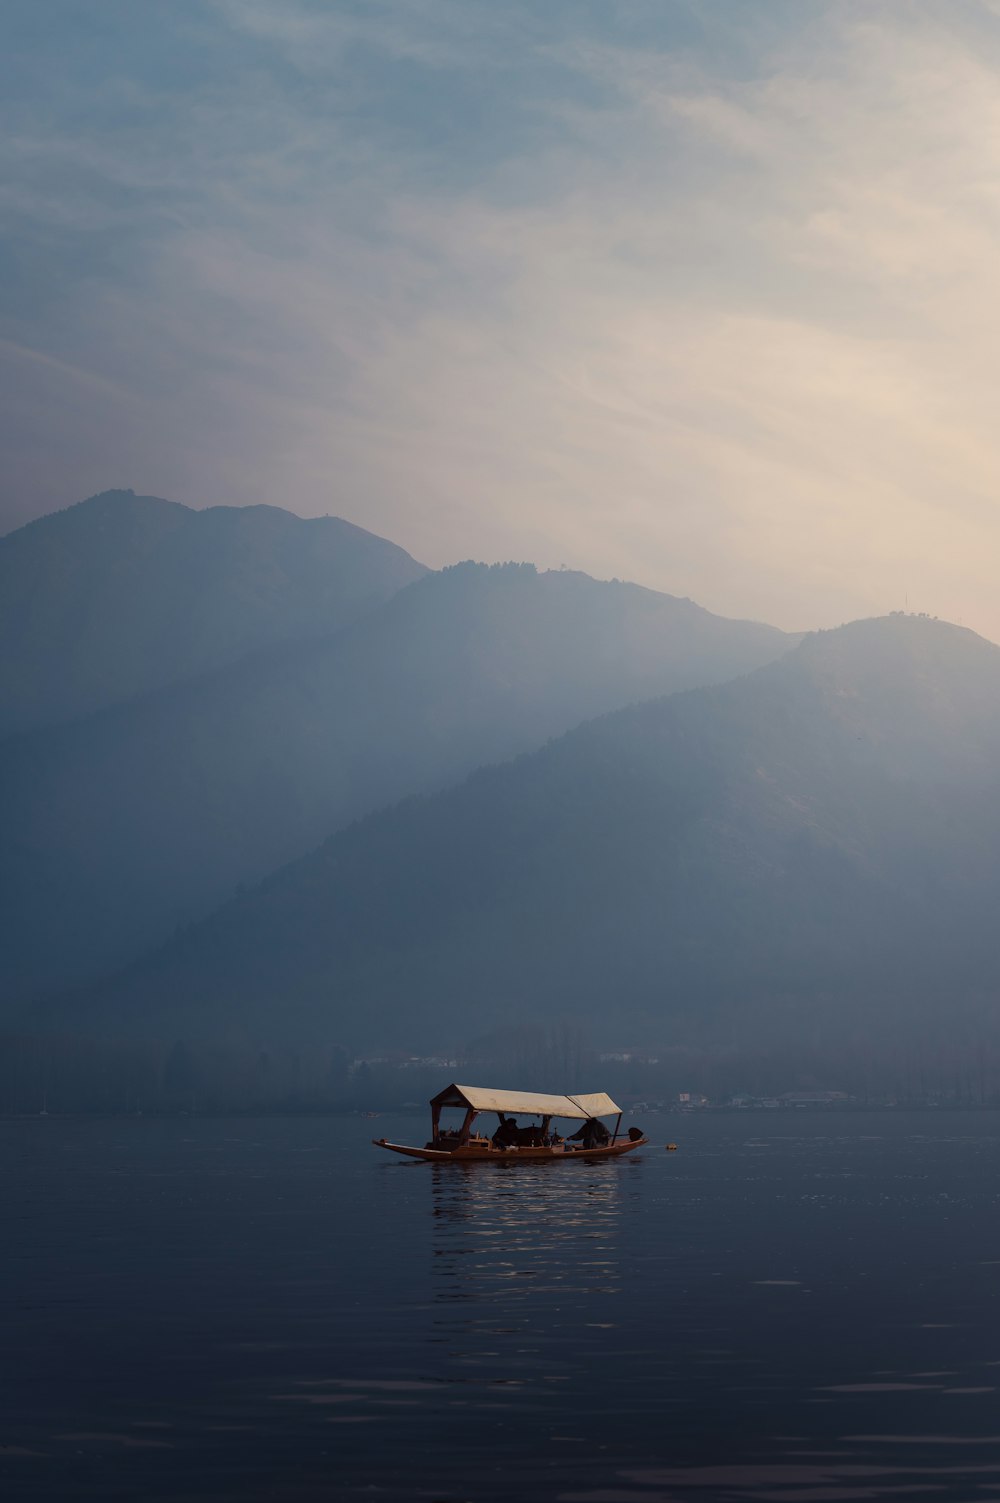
(793, 1306)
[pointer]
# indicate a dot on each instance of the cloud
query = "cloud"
(431, 32)
(705, 305)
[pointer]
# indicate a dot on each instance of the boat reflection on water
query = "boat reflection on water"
(508, 1237)
(526, 1277)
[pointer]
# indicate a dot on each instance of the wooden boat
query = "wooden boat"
(520, 1145)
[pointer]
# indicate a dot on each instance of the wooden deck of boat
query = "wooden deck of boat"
(476, 1153)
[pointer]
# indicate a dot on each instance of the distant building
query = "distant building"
(629, 1057)
(813, 1098)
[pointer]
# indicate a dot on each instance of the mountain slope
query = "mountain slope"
(123, 593)
(149, 814)
(812, 847)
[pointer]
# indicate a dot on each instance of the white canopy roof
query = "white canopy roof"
(485, 1099)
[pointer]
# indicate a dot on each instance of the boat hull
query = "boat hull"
(473, 1153)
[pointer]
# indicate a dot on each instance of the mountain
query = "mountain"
(806, 853)
(121, 826)
(123, 593)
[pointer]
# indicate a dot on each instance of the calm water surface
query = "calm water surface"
(799, 1308)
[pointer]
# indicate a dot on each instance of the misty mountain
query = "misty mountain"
(119, 827)
(807, 851)
(123, 593)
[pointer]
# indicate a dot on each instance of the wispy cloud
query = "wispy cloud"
(708, 305)
(439, 33)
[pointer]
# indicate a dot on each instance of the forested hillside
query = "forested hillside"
(123, 593)
(126, 824)
(804, 854)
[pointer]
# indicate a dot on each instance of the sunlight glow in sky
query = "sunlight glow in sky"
(697, 294)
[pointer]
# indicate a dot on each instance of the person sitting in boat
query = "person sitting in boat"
(593, 1134)
(507, 1134)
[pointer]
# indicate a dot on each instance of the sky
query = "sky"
(698, 293)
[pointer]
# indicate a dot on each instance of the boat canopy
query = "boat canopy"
(485, 1099)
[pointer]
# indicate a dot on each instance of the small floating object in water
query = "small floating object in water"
(671, 1147)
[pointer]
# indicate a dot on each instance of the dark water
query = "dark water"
(799, 1308)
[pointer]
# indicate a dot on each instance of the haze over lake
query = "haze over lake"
(499, 524)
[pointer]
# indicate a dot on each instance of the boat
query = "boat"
(510, 1143)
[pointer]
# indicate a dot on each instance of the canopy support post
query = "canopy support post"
(435, 1121)
(470, 1117)
(617, 1127)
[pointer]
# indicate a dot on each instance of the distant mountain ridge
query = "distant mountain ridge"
(810, 851)
(123, 594)
(150, 813)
